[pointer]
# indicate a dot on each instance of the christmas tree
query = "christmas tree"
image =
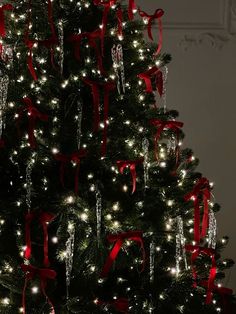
(101, 209)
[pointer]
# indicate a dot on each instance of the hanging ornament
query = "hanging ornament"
(164, 96)
(118, 66)
(98, 212)
(29, 182)
(61, 45)
(152, 260)
(79, 123)
(171, 144)
(4, 82)
(6, 53)
(212, 230)
(180, 246)
(70, 243)
(145, 147)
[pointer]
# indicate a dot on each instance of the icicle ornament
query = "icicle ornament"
(61, 45)
(4, 82)
(79, 123)
(70, 243)
(98, 212)
(180, 246)
(118, 66)
(145, 147)
(29, 169)
(165, 79)
(212, 230)
(152, 260)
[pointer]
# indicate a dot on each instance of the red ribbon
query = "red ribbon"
(33, 115)
(202, 188)
(121, 305)
(5, 7)
(75, 158)
(107, 87)
(44, 218)
(122, 164)
(158, 76)
(92, 37)
(2, 143)
(47, 43)
(175, 126)
(119, 239)
(132, 7)
(196, 251)
(107, 6)
(150, 18)
(44, 274)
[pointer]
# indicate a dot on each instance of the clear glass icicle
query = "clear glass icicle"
(180, 246)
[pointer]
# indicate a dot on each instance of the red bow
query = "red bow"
(2, 143)
(122, 164)
(44, 274)
(202, 188)
(107, 6)
(44, 219)
(48, 43)
(132, 7)
(196, 251)
(119, 239)
(33, 114)
(157, 74)
(76, 158)
(5, 7)
(92, 36)
(108, 86)
(150, 18)
(161, 125)
(121, 305)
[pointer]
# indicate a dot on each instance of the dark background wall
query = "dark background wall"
(201, 37)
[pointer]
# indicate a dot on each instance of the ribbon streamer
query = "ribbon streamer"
(122, 164)
(131, 9)
(175, 126)
(107, 6)
(107, 87)
(44, 219)
(5, 7)
(119, 239)
(121, 305)
(49, 43)
(201, 189)
(33, 115)
(75, 158)
(150, 18)
(44, 274)
(196, 251)
(147, 77)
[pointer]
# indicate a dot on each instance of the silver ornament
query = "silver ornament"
(118, 66)
(70, 243)
(164, 96)
(4, 82)
(152, 260)
(29, 183)
(61, 45)
(98, 213)
(180, 246)
(212, 230)
(79, 123)
(145, 147)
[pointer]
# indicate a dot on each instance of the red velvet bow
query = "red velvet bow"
(49, 43)
(175, 126)
(121, 305)
(150, 18)
(92, 37)
(107, 87)
(196, 251)
(201, 189)
(158, 76)
(33, 115)
(44, 274)
(44, 219)
(119, 239)
(122, 164)
(107, 6)
(5, 7)
(132, 7)
(75, 158)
